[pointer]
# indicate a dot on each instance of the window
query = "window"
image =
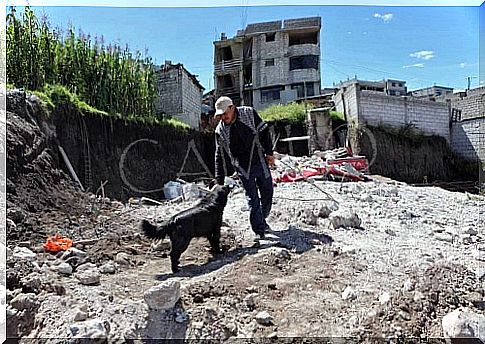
(270, 37)
(400, 85)
(270, 94)
(226, 53)
(269, 63)
(393, 84)
(304, 62)
(299, 90)
(310, 90)
(303, 38)
(392, 93)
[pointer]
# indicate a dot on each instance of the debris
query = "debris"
(107, 268)
(90, 329)
(80, 315)
(161, 245)
(163, 296)
(64, 269)
(408, 285)
(444, 237)
(384, 298)
(122, 258)
(149, 200)
(345, 218)
(172, 190)
(25, 302)
(88, 276)
(57, 243)
(24, 253)
(349, 294)
(73, 252)
(464, 323)
(264, 318)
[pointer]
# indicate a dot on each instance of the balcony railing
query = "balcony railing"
(228, 66)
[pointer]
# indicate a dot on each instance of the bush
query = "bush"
(292, 112)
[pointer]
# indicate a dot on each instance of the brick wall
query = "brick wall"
(374, 108)
(468, 138)
(471, 103)
(169, 99)
(191, 102)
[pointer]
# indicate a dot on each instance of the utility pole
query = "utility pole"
(469, 80)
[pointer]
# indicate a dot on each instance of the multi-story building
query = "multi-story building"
(432, 93)
(269, 63)
(179, 94)
(387, 86)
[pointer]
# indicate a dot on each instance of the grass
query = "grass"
(53, 96)
(292, 112)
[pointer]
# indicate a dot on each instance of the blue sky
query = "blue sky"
(421, 45)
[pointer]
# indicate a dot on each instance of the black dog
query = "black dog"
(202, 220)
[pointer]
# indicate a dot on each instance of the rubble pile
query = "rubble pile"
(357, 259)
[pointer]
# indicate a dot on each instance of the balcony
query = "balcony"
(228, 66)
(300, 75)
(303, 49)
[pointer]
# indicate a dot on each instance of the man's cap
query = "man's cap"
(222, 104)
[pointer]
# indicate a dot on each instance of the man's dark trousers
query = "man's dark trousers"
(258, 177)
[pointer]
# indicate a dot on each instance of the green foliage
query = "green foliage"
(53, 96)
(109, 78)
(335, 115)
(292, 112)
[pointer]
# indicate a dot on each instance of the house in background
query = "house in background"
(432, 93)
(269, 63)
(179, 94)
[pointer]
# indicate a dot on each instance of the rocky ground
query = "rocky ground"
(355, 260)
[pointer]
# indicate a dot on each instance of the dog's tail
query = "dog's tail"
(152, 231)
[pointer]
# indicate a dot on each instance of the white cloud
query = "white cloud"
(385, 17)
(423, 54)
(463, 64)
(416, 65)
(349, 32)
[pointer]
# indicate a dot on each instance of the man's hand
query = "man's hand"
(270, 160)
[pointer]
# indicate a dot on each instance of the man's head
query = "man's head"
(225, 110)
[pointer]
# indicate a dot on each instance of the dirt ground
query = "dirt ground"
(406, 258)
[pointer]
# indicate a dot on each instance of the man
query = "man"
(244, 137)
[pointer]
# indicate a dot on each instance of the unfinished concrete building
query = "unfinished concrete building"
(269, 63)
(179, 94)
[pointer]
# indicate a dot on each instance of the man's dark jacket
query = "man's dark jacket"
(241, 139)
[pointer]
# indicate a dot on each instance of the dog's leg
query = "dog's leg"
(179, 245)
(215, 238)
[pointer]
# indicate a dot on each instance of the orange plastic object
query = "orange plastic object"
(57, 243)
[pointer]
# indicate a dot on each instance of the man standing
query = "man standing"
(244, 137)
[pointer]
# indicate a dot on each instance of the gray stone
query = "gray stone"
(89, 276)
(349, 294)
(80, 315)
(384, 298)
(345, 219)
(11, 226)
(107, 268)
(73, 252)
(64, 269)
(86, 266)
(161, 245)
(324, 211)
(249, 301)
(408, 285)
(464, 323)
(90, 329)
(25, 302)
(264, 318)
(447, 237)
(122, 258)
(471, 230)
(163, 296)
(23, 253)
(16, 215)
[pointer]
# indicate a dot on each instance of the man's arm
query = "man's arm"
(219, 162)
(264, 136)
